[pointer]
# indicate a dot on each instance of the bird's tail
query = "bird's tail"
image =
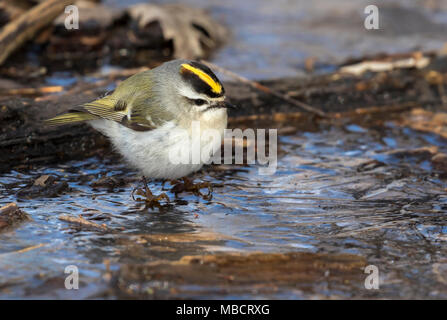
(70, 117)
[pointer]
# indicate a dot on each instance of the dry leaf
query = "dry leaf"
(192, 30)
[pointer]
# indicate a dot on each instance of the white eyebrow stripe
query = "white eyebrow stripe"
(188, 93)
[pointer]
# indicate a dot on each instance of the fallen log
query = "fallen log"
(211, 273)
(25, 141)
(22, 29)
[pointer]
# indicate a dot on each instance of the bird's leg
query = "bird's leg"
(148, 196)
(188, 186)
(172, 182)
(146, 188)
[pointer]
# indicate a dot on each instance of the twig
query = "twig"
(265, 89)
(80, 221)
(31, 91)
(40, 245)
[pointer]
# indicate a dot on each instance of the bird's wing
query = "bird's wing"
(135, 108)
(107, 108)
(137, 112)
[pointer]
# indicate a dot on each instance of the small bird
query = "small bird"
(143, 114)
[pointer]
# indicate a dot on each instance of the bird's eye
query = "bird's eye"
(199, 102)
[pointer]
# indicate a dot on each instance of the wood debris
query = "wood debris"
(10, 214)
(80, 222)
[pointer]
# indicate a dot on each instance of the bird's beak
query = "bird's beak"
(225, 104)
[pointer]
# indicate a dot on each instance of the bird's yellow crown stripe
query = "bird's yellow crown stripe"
(216, 87)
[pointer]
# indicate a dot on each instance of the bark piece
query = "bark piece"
(44, 186)
(10, 215)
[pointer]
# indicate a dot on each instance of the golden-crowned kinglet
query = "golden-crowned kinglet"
(150, 116)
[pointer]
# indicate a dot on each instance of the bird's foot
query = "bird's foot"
(186, 185)
(148, 197)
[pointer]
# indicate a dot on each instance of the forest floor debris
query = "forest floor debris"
(10, 215)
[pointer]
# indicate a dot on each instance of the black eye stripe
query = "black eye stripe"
(199, 102)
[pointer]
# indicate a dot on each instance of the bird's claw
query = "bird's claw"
(188, 186)
(148, 197)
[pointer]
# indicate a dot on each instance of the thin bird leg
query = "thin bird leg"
(146, 188)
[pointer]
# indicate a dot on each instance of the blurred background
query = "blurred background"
(274, 38)
(262, 38)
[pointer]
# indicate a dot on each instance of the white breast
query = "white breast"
(149, 151)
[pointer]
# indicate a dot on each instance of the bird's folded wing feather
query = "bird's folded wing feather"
(135, 112)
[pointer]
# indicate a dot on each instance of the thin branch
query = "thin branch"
(83, 223)
(265, 89)
(40, 245)
(31, 91)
